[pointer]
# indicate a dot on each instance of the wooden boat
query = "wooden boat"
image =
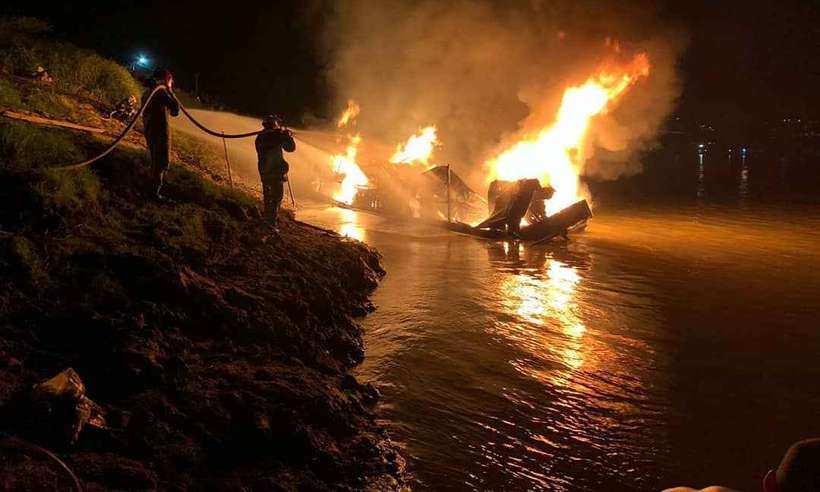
(516, 198)
(570, 219)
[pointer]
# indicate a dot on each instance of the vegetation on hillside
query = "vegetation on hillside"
(218, 353)
(24, 46)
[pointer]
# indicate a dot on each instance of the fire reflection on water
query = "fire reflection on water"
(541, 303)
(348, 225)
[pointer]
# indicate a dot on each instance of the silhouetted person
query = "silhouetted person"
(125, 109)
(798, 471)
(41, 75)
(273, 169)
(157, 131)
(511, 200)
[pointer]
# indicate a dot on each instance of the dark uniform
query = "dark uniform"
(273, 169)
(158, 133)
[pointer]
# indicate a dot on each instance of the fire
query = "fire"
(418, 147)
(351, 174)
(554, 154)
(344, 165)
(349, 114)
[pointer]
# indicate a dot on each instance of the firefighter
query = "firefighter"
(41, 75)
(156, 129)
(125, 110)
(273, 169)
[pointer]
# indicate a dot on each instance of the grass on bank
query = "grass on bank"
(112, 198)
(24, 46)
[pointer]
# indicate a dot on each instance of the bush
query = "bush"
(180, 230)
(18, 256)
(69, 191)
(9, 95)
(191, 187)
(24, 146)
(23, 49)
(47, 103)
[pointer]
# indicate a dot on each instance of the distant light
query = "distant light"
(143, 61)
(700, 146)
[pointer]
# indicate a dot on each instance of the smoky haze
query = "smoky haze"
(309, 161)
(483, 71)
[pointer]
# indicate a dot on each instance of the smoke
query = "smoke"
(483, 71)
(313, 148)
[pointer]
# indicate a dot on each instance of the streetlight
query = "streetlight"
(141, 61)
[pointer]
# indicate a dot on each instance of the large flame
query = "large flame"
(553, 155)
(418, 148)
(344, 165)
(352, 177)
(349, 114)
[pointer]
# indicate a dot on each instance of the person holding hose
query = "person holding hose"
(156, 128)
(273, 169)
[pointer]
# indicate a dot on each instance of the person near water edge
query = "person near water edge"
(273, 169)
(156, 127)
(798, 471)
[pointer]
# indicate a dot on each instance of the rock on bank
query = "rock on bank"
(219, 355)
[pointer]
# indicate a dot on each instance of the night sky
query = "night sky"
(749, 60)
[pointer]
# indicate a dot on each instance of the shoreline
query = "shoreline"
(219, 355)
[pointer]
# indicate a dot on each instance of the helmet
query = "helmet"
(271, 121)
(163, 76)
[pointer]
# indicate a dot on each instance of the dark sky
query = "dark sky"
(747, 60)
(750, 59)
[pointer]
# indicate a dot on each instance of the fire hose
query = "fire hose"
(133, 122)
(17, 443)
(184, 110)
(119, 138)
(217, 134)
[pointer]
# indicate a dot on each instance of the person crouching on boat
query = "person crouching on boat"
(273, 169)
(530, 197)
(538, 206)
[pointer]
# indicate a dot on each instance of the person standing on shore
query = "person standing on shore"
(156, 128)
(273, 169)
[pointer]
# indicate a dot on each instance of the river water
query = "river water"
(675, 342)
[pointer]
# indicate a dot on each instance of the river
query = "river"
(674, 342)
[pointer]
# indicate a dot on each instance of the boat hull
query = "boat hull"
(558, 224)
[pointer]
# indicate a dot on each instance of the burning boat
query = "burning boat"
(441, 197)
(408, 188)
(519, 206)
(514, 203)
(433, 195)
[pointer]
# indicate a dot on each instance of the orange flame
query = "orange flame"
(554, 154)
(418, 147)
(349, 114)
(349, 171)
(344, 165)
